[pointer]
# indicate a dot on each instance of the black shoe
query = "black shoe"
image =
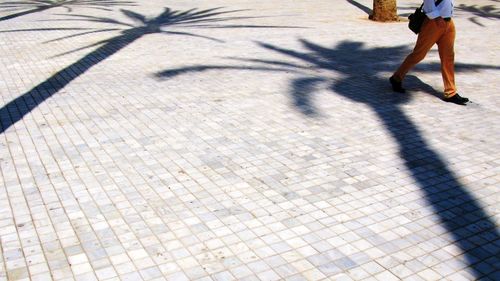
(456, 99)
(396, 86)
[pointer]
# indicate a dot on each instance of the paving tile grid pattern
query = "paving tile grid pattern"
(244, 140)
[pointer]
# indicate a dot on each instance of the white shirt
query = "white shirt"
(444, 9)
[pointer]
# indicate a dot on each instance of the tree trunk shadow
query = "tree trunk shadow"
(360, 6)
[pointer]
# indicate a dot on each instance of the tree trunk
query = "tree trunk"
(384, 10)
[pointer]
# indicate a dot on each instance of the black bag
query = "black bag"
(417, 18)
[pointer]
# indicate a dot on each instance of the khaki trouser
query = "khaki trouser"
(429, 35)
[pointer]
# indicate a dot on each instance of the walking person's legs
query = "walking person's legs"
(443, 33)
(427, 37)
(447, 56)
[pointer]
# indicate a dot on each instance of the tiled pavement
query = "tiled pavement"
(255, 141)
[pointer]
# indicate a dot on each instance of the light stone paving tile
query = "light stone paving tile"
(205, 279)
(177, 276)
(386, 275)
(106, 273)
(196, 272)
(269, 275)
(358, 273)
(456, 276)
(313, 274)
(342, 276)
(429, 274)
(131, 276)
(415, 278)
(330, 269)
(296, 278)
(86, 276)
(150, 273)
(241, 271)
(223, 276)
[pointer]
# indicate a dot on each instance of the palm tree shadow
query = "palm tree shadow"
(36, 6)
(362, 79)
(16, 109)
(451, 201)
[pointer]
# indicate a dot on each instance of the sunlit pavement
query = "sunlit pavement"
(244, 140)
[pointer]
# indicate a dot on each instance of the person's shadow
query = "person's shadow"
(472, 229)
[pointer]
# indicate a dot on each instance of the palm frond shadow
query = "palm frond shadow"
(36, 6)
(491, 12)
(471, 228)
(16, 109)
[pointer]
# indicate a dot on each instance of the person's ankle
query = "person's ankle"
(396, 79)
(397, 85)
